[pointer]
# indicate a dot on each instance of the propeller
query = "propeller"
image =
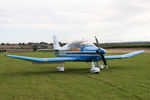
(101, 52)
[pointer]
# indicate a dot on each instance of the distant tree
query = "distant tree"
(62, 44)
(2, 43)
(30, 43)
(43, 46)
(35, 47)
(51, 43)
(20, 43)
(4, 50)
(43, 43)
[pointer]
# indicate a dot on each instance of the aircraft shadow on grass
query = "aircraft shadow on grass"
(71, 71)
(75, 71)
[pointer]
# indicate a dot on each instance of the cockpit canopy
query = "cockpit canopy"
(77, 45)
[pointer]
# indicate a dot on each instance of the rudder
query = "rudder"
(55, 43)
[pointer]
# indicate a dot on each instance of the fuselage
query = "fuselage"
(80, 50)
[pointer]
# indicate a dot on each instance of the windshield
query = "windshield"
(78, 44)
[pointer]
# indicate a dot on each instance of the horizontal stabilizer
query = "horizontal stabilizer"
(38, 50)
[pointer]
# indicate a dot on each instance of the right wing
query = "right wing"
(124, 55)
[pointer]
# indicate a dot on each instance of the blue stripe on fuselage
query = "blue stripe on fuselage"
(82, 56)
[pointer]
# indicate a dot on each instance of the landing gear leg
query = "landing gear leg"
(94, 69)
(99, 65)
(61, 68)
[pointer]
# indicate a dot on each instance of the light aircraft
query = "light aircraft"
(81, 51)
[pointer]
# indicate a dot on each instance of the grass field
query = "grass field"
(126, 79)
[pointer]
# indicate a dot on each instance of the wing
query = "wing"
(125, 55)
(44, 60)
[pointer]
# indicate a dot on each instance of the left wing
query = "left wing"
(44, 60)
(125, 55)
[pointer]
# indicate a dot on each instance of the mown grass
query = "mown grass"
(126, 79)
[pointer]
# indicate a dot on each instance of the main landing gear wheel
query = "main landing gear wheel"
(61, 68)
(94, 69)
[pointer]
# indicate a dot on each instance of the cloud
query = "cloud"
(114, 20)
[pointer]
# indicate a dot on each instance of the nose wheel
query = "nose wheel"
(99, 65)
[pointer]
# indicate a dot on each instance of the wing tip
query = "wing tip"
(142, 51)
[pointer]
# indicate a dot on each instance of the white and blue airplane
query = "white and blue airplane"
(81, 51)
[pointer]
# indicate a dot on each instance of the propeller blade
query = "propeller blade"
(103, 58)
(102, 55)
(97, 42)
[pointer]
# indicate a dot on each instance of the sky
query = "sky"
(110, 20)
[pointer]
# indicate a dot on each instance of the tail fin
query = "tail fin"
(55, 43)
